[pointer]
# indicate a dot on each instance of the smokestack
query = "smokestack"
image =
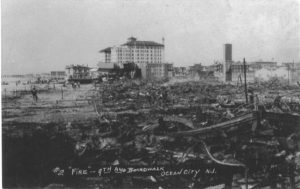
(163, 41)
(228, 52)
(227, 61)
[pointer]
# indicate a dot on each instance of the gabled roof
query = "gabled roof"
(142, 43)
(106, 50)
(77, 66)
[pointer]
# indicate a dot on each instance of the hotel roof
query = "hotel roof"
(142, 43)
(134, 42)
(106, 50)
(77, 66)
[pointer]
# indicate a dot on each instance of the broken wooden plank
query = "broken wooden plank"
(224, 162)
(220, 126)
(181, 120)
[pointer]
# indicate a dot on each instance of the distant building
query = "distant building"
(269, 65)
(180, 71)
(296, 72)
(104, 71)
(293, 70)
(58, 75)
(134, 51)
(78, 73)
(237, 72)
(157, 70)
(195, 69)
(107, 55)
(216, 69)
(94, 72)
(289, 65)
(42, 77)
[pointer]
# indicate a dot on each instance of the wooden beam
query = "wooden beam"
(220, 126)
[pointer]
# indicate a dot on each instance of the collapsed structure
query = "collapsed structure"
(196, 124)
(189, 125)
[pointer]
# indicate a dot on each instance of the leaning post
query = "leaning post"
(62, 93)
(245, 78)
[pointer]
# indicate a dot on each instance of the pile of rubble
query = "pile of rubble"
(142, 124)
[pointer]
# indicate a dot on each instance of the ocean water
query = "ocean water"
(12, 83)
(19, 84)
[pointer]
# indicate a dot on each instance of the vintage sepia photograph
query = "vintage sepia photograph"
(150, 94)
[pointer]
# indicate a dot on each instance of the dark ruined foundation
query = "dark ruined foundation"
(154, 135)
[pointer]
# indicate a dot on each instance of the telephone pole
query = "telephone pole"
(245, 78)
(288, 66)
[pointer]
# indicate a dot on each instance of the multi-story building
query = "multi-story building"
(195, 69)
(269, 65)
(296, 72)
(78, 73)
(216, 69)
(293, 71)
(58, 75)
(43, 77)
(157, 70)
(134, 51)
(237, 72)
(106, 55)
(179, 71)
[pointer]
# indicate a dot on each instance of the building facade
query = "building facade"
(180, 71)
(58, 75)
(78, 73)
(216, 67)
(293, 71)
(195, 69)
(157, 70)
(134, 51)
(269, 65)
(237, 73)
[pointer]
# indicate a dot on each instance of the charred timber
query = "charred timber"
(247, 118)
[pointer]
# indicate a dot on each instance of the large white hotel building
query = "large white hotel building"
(148, 55)
(134, 51)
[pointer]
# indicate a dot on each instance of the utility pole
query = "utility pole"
(293, 72)
(62, 93)
(288, 66)
(245, 78)
(5, 94)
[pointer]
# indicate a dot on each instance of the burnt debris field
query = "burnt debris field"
(198, 134)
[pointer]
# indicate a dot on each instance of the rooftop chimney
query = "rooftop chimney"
(130, 39)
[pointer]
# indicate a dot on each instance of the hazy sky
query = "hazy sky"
(45, 35)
